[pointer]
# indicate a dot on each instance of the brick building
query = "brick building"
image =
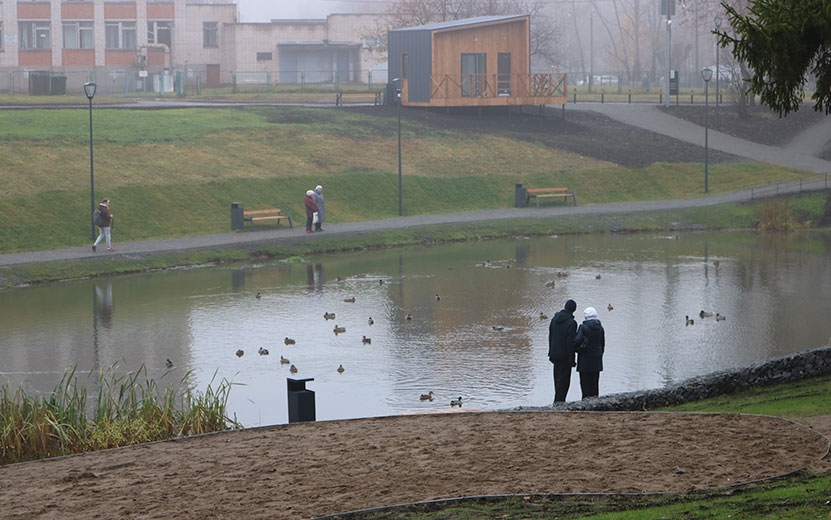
(129, 45)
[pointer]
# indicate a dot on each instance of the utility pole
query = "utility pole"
(669, 4)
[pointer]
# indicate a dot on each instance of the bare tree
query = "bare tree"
(546, 30)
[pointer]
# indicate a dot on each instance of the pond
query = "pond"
(482, 339)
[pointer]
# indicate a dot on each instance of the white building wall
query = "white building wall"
(8, 14)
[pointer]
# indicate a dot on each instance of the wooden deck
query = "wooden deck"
(494, 90)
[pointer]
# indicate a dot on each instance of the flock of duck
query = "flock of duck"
(340, 330)
(703, 314)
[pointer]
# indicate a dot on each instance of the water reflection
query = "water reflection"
(771, 289)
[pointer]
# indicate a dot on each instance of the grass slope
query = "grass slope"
(175, 172)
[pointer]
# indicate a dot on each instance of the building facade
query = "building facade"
(143, 44)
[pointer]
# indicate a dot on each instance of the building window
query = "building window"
(474, 74)
(160, 32)
(120, 35)
(263, 56)
(210, 34)
(34, 35)
(78, 35)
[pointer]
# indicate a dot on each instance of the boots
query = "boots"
(308, 229)
(317, 227)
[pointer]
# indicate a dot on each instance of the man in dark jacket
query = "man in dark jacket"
(561, 335)
(590, 357)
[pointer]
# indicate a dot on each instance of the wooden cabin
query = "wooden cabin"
(483, 61)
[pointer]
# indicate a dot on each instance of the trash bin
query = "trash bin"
(38, 83)
(57, 85)
(237, 216)
(521, 195)
(301, 401)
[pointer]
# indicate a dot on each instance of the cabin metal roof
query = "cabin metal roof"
(452, 24)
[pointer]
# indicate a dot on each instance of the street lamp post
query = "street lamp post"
(397, 84)
(718, 70)
(89, 90)
(706, 74)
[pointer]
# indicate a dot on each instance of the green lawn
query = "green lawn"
(175, 172)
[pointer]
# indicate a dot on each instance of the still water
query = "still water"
(774, 292)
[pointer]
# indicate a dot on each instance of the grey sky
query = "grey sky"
(265, 10)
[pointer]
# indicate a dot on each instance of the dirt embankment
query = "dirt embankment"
(311, 469)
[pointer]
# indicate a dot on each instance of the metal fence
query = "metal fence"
(774, 190)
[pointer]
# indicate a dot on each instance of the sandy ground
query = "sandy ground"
(311, 469)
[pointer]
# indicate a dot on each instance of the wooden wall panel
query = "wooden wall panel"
(512, 37)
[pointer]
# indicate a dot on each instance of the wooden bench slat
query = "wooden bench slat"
(539, 193)
(265, 214)
(260, 211)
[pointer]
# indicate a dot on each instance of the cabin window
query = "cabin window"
(403, 66)
(474, 70)
(503, 74)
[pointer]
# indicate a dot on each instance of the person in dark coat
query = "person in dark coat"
(105, 226)
(590, 358)
(311, 207)
(562, 332)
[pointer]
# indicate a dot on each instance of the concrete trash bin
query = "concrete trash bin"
(521, 195)
(301, 401)
(237, 216)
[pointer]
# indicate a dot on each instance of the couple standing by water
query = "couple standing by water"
(588, 341)
(314, 209)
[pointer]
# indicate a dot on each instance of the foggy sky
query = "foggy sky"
(265, 10)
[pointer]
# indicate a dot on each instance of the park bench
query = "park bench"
(265, 214)
(551, 192)
(376, 96)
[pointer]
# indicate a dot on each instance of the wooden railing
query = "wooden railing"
(498, 85)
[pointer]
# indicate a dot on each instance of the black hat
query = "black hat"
(571, 306)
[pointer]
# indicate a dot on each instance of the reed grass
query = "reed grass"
(131, 408)
(775, 216)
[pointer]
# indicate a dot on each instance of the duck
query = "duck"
(409, 317)
(340, 278)
(262, 351)
(339, 330)
(456, 402)
(289, 341)
(350, 300)
(507, 266)
(284, 361)
(366, 341)
(240, 352)
(689, 321)
(498, 327)
(341, 369)
(258, 296)
(380, 282)
(561, 274)
(720, 317)
(360, 276)
(543, 316)
(610, 307)
(438, 298)
(169, 363)
(328, 315)
(703, 314)
(551, 284)
(293, 369)
(426, 397)
(598, 277)
(370, 320)
(716, 263)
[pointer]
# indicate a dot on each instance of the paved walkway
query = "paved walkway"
(298, 234)
(798, 154)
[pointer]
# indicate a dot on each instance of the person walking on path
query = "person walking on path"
(311, 207)
(591, 344)
(319, 202)
(104, 225)
(562, 332)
